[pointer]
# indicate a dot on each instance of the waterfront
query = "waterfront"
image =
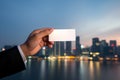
(68, 69)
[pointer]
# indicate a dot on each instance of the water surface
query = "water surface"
(68, 69)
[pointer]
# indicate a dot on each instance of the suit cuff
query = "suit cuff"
(22, 54)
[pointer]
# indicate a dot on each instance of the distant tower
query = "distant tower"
(43, 50)
(95, 45)
(68, 47)
(103, 47)
(103, 43)
(58, 49)
(113, 45)
(62, 50)
(78, 46)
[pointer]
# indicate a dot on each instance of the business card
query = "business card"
(62, 35)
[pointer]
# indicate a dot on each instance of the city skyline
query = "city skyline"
(74, 44)
(90, 18)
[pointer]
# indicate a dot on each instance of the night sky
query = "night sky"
(90, 18)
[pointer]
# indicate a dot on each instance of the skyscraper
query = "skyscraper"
(78, 46)
(62, 50)
(95, 45)
(104, 48)
(103, 43)
(113, 45)
(58, 49)
(68, 47)
(55, 49)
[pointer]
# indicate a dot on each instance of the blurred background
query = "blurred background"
(95, 55)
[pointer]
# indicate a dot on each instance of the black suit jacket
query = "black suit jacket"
(10, 62)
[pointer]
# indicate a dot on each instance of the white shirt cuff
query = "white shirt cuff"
(22, 54)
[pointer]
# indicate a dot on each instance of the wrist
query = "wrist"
(24, 49)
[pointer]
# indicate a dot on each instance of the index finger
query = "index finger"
(45, 32)
(39, 30)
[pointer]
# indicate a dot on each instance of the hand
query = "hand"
(36, 40)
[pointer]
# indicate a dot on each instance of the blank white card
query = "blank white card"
(62, 35)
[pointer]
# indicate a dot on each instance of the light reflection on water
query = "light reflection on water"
(68, 70)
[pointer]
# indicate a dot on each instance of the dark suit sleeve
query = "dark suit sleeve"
(11, 62)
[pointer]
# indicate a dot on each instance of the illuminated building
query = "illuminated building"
(103, 43)
(78, 46)
(95, 45)
(85, 51)
(58, 49)
(62, 50)
(103, 46)
(42, 52)
(113, 45)
(108, 51)
(6, 47)
(95, 49)
(55, 49)
(68, 47)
